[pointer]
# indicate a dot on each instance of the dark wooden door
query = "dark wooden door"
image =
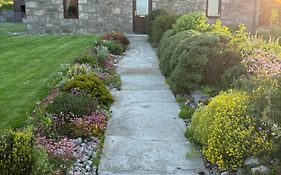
(141, 8)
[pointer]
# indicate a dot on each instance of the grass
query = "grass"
(28, 64)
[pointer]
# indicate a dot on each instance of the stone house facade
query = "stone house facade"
(98, 16)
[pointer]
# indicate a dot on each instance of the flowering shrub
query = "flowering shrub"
(263, 64)
(93, 124)
(227, 133)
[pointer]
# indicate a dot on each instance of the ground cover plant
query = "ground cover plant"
(68, 125)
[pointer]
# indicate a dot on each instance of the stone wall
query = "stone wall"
(95, 16)
(239, 11)
(99, 16)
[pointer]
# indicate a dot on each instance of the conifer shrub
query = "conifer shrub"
(167, 47)
(203, 61)
(160, 25)
(150, 19)
(226, 132)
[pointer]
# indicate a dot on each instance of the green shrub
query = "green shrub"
(186, 112)
(150, 19)
(167, 48)
(92, 85)
(16, 152)
(164, 42)
(114, 47)
(66, 103)
(181, 47)
(41, 163)
(116, 36)
(204, 61)
(192, 21)
(87, 58)
(226, 131)
(160, 25)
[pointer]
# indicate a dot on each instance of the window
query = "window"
(70, 9)
(213, 8)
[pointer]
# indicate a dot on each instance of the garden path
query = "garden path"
(144, 135)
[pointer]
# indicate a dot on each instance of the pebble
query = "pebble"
(84, 164)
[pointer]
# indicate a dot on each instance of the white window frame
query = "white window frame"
(216, 11)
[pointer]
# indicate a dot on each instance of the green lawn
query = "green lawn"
(27, 65)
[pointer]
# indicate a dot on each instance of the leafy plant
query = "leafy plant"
(66, 103)
(192, 21)
(91, 85)
(226, 131)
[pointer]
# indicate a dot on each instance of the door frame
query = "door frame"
(134, 11)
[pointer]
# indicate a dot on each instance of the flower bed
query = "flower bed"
(68, 126)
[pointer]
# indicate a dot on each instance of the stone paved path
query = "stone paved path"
(144, 135)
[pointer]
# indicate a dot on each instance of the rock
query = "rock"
(260, 170)
(196, 98)
(251, 162)
(227, 173)
(88, 168)
(241, 171)
(78, 141)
